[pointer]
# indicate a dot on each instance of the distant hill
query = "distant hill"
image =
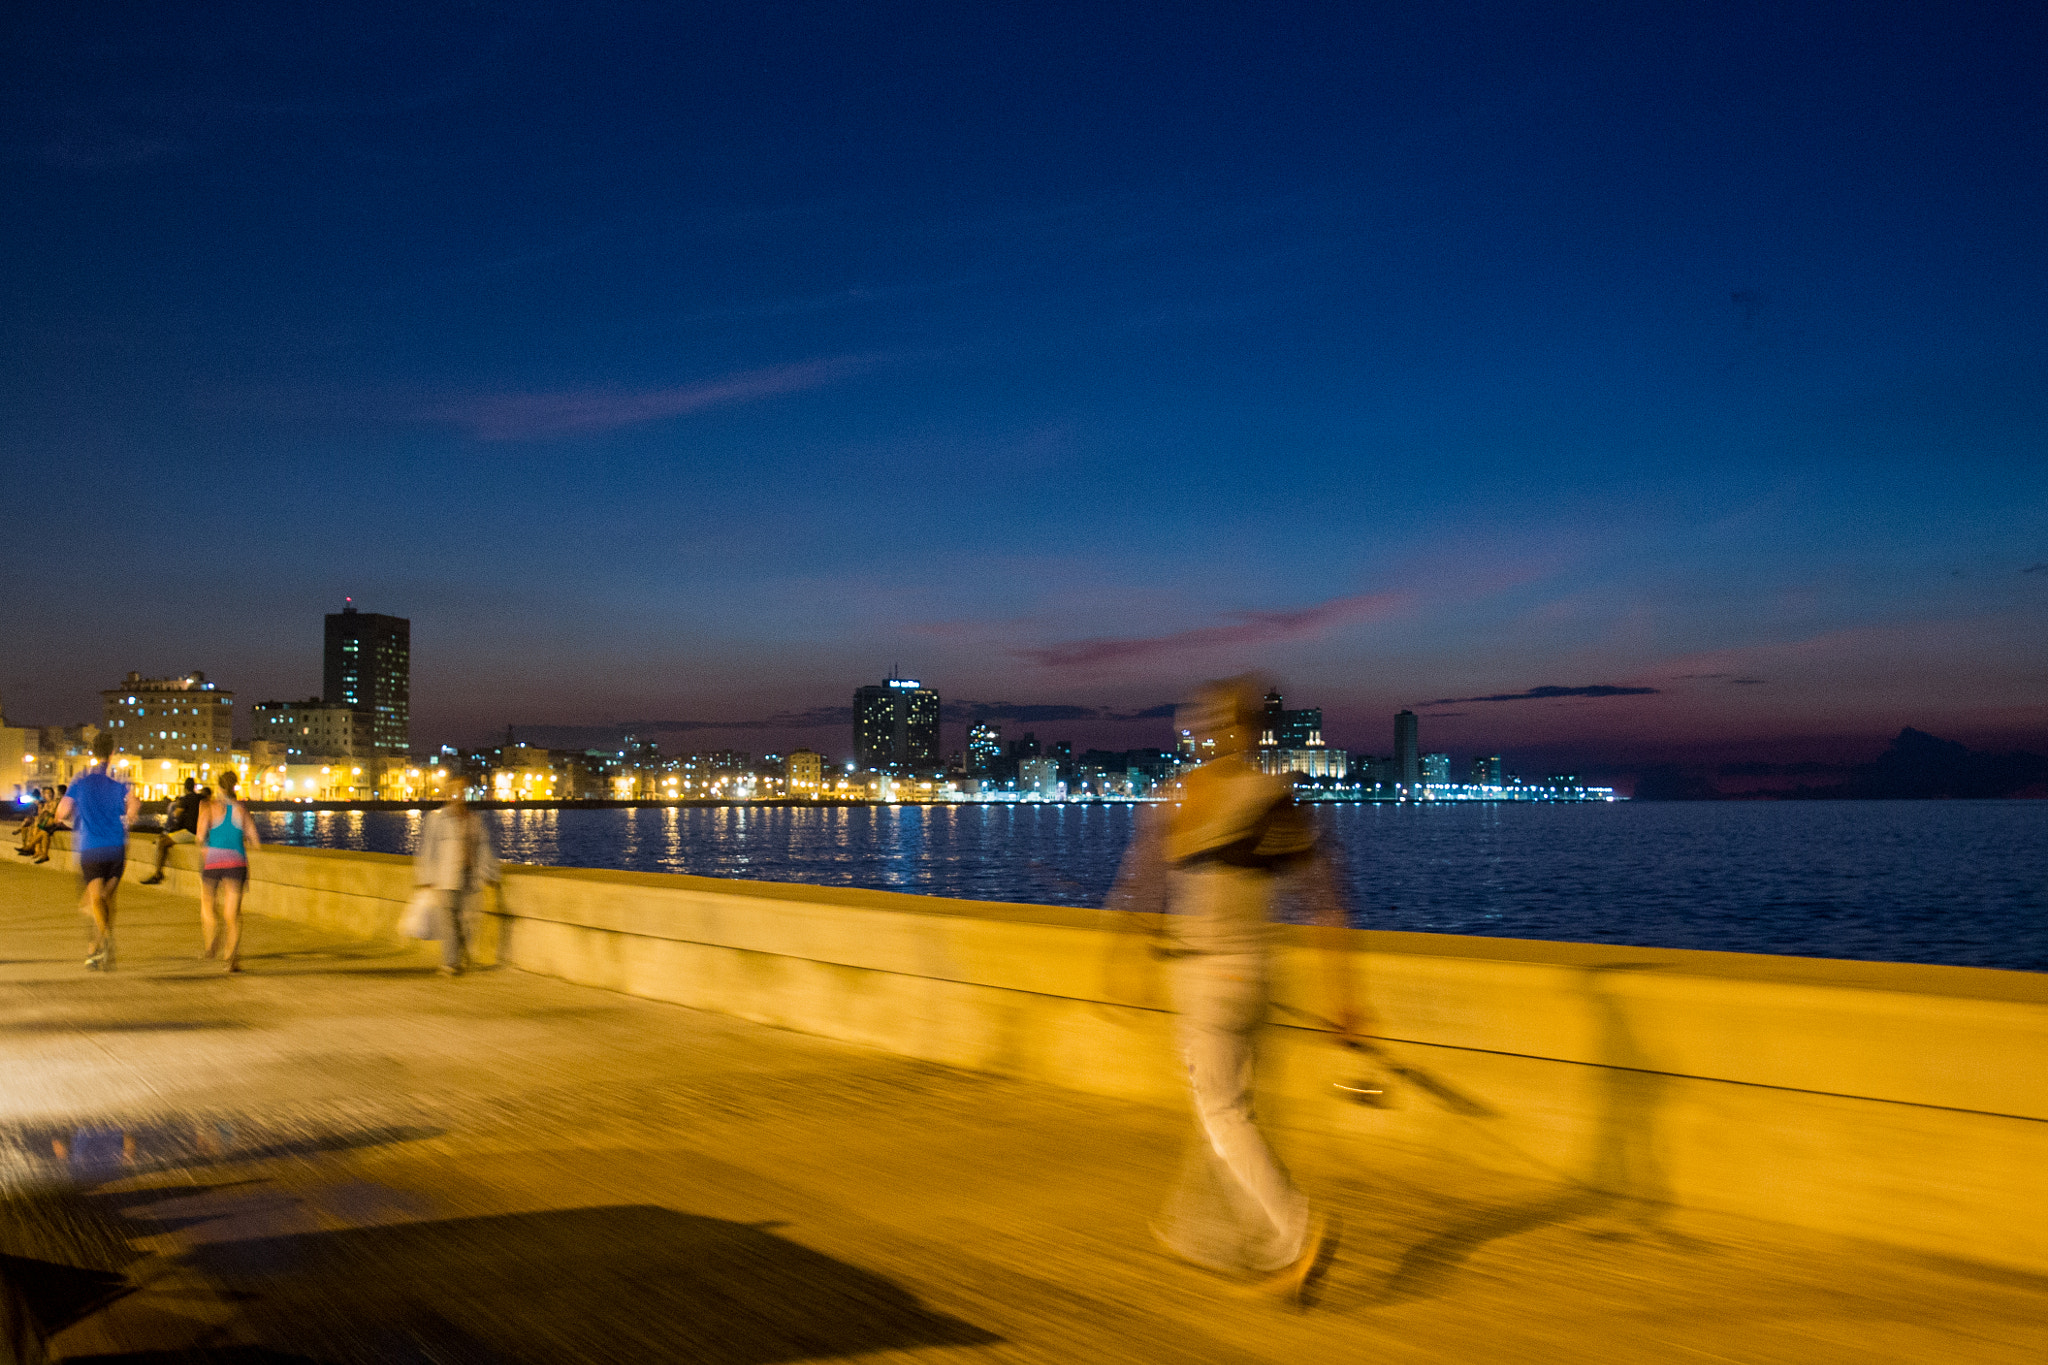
(1916, 766)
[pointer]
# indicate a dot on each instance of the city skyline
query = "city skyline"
(1608, 387)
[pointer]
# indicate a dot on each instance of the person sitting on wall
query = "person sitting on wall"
(25, 834)
(181, 826)
(49, 820)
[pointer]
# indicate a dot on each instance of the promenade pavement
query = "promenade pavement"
(342, 1157)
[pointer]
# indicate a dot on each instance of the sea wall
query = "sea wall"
(1904, 1104)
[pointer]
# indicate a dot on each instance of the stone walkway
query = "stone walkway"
(341, 1157)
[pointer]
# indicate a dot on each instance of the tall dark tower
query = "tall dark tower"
(1407, 752)
(369, 667)
(896, 726)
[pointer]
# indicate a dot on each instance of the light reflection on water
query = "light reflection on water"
(1953, 881)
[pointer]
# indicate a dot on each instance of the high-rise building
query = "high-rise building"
(180, 720)
(1281, 728)
(1486, 770)
(369, 667)
(1407, 750)
(984, 749)
(1436, 770)
(896, 726)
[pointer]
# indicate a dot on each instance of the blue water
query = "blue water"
(1962, 882)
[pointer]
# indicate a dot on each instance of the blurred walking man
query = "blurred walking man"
(1217, 863)
(100, 810)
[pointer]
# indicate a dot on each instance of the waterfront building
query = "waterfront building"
(984, 749)
(168, 729)
(315, 728)
(805, 772)
(1282, 728)
(1407, 751)
(368, 665)
(1486, 771)
(1039, 777)
(1319, 761)
(896, 726)
(1436, 770)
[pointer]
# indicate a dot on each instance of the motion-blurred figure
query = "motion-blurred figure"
(100, 809)
(1217, 863)
(456, 859)
(226, 837)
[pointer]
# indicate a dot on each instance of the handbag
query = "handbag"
(418, 920)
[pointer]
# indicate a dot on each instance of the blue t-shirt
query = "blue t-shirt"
(99, 812)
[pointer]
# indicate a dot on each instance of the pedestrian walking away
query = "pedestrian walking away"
(99, 810)
(457, 861)
(1217, 864)
(181, 826)
(226, 838)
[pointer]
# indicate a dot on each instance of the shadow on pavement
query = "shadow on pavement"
(622, 1283)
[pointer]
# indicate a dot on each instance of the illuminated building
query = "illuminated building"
(1486, 770)
(1039, 777)
(1280, 728)
(1436, 770)
(806, 772)
(1407, 751)
(1320, 761)
(896, 726)
(368, 666)
(315, 729)
(984, 749)
(168, 729)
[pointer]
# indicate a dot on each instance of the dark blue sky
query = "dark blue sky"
(671, 363)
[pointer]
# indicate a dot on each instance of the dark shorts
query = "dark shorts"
(97, 864)
(214, 876)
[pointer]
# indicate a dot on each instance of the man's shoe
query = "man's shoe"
(44, 859)
(151, 880)
(1293, 1285)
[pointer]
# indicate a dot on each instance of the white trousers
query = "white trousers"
(1235, 1209)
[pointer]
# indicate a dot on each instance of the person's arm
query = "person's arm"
(203, 823)
(1320, 884)
(65, 808)
(251, 840)
(486, 858)
(133, 810)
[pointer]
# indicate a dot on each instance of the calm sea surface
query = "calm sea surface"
(1963, 882)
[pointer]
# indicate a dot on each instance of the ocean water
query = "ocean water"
(1960, 882)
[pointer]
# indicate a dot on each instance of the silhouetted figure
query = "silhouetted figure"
(181, 826)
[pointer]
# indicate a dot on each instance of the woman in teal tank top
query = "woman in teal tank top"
(225, 839)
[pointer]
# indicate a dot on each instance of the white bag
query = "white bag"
(421, 918)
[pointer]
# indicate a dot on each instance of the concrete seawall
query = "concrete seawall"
(1903, 1104)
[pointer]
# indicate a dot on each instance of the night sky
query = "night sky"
(1683, 366)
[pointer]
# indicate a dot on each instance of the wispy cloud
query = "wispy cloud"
(1243, 628)
(1547, 693)
(568, 412)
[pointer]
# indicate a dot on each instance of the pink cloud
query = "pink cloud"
(1245, 628)
(534, 416)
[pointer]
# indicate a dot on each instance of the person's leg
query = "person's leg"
(163, 852)
(209, 928)
(452, 945)
(231, 920)
(1223, 1006)
(108, 898)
